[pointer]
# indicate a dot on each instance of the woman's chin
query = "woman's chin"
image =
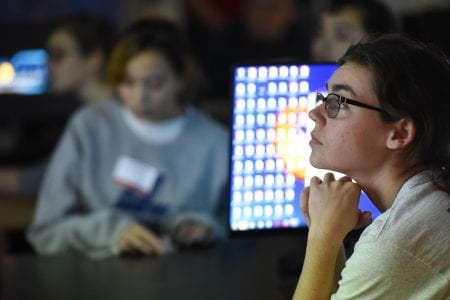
(320, 164)
(315, 162)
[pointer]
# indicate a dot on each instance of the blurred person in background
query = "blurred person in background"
(261, 31)
(143, 170)
(269, 30)
(78, 48)
(344, 23)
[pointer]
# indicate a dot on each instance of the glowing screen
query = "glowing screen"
(25, 72)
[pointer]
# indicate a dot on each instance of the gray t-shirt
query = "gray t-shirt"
(83, 206)
(405, 252)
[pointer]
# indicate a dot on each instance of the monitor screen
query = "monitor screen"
(24, 72)
(269, 148)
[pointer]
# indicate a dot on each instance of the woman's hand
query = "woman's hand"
(136, 238)
(331, 208)
(192, 233)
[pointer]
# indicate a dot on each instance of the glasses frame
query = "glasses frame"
(343, 100)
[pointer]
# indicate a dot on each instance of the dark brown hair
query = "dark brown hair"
(412, 79)
(165, 37)
(92, 32)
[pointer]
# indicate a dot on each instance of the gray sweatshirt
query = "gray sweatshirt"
(84, 206)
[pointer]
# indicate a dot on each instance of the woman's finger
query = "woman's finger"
(147, 240)
(304, 204)
(328, 177)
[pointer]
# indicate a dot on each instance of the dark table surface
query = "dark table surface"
(244, 268)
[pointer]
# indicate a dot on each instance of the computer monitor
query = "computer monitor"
(269, 147)
(24, 72)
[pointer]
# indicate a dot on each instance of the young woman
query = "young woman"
(141, 166)
(78, 48)
(385, 124)
(344, 23)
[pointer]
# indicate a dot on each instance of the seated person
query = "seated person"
(344, 23)
(78, 48)
(141, 166)
(392, 141)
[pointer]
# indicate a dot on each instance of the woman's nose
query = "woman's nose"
(142, 93)
(317, 113)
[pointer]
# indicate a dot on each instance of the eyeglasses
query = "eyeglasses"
(333, 103)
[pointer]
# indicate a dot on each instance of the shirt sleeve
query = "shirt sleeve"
(62, 221)
(212, 209)
(215, 217)
(381, 270)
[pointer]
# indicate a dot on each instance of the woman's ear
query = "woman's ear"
(402, 134)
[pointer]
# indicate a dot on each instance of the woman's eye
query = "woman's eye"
(154, 84)
(128, 82)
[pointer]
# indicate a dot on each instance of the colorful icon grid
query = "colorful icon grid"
(270, 148)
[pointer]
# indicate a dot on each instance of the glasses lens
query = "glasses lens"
(332, 105)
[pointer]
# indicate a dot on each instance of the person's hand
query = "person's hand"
(331, 208)
(138, 239)
(192, 233)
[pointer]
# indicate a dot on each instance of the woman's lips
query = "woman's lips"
(314, 140)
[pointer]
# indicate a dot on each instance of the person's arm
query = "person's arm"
(321, 269)
(331, 210)
(95, 234)
(63, 219)
(204, 219)
(202, 215)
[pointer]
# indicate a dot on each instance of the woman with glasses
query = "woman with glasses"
(78, 47)
(78, 50)
(385, 125)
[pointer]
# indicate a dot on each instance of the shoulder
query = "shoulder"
(419, 207)
(205, 126)
(104, 108)
(416, 228)
(105, 111)
(380, 270)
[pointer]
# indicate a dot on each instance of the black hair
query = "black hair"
(412, 79)
(162, 35)
(91, 31)
(375, 16)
